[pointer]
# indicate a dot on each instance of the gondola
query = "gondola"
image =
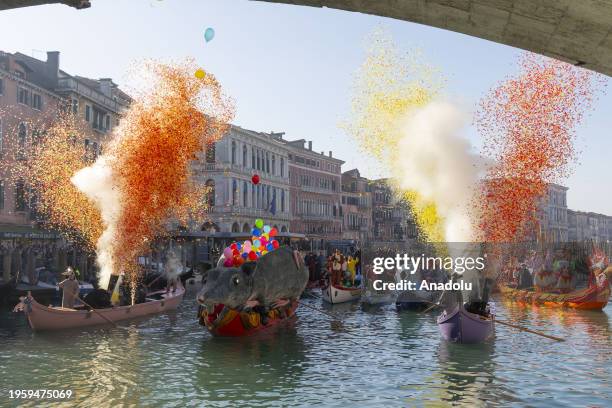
(594, 297)
(457, 325)
(42, 318)
(339, 294)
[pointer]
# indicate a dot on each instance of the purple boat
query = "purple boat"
(461, 326)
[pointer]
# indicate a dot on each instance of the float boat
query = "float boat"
(223, 321)
(43, 317)
(457, 325)
(594, 297)
(339, 294)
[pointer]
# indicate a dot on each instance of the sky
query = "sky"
(289, 68)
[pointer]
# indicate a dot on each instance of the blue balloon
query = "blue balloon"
(209, 34)
(238, 245)
(256, 232)
(267, 229)
(244, 255)
(269, 247)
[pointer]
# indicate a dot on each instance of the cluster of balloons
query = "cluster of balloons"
(261, 242)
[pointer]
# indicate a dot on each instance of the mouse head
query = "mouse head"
(229, 286)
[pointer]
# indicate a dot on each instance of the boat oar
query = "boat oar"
(525, 329)
(336, 323)
(522, 328)
(98, 313)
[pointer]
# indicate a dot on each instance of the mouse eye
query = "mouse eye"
(236, 280)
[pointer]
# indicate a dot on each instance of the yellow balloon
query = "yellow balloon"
(200, 73)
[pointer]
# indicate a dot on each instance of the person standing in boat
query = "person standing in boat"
(70, 288)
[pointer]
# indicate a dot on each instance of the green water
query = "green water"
(374, 357)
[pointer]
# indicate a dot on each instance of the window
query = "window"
(252, 157)
(233, 152)
(75, 106)
(23, 96)
(19, 74)
(282, 167)
(273, 165)
(36, 101)
(107, 126)
(282, 200)
(22, 136)
(1, 194)
(234, 192)
(244, 156)
(20, 202)
(245, 194)
(267, 170)
(98, 120)
(87, 113)
(258, 161)
(210, 153)
(210, 193)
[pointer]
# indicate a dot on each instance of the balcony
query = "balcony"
(71, 84)
(248, 212)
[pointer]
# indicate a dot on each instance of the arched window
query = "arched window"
(282, 200)
(235, 227)
(233, 152)
(246, 227)
(244, 156)
(234, 192)
(210, 194)
(284, 229)
(210, 153)
(245, 194)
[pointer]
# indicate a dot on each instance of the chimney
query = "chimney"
(330, 153)
(106, 86)
(52, 65)
(310, 145)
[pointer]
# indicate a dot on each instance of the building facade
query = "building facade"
(553, 214)
(589, 226)
(33, 93)
(315, 182)
(391, 218)
(234, 201)
(356, 207)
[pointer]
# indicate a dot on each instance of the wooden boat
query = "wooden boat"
(594, 297)
(57, 318)
(339, 294)
(227, 322)
(457, 325)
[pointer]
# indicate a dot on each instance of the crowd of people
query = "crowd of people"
(342, 270)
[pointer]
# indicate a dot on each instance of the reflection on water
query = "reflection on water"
(368, 356)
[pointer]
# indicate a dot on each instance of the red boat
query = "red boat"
(226, 322)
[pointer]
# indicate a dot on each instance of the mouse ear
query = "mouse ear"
(248, 268)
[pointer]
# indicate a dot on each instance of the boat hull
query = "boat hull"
(461, 326)
(43, 318)
(593, 298)
(228, 322)
(334, 294)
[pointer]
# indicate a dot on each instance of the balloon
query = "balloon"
(255, 179)
(259, 223)
(270, 246)
(227, 252)
(245, 255)
(247, 246)
(256, 232)
(209, 34)
(266, 236)
(234, 246)
(257, 243)
(200, 73)
(235, 252)
(263, 252)
(236, 261)
(238, 246)
(252, 256)
(228, 263)
(273, 232)
(266, 229)
(275, 244)
(264, 241)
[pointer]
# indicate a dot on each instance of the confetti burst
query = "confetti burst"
(528, 124)
(388, 86)
(148, 164)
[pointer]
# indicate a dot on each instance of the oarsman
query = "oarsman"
(70, 287)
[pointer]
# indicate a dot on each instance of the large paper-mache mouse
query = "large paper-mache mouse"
(274, 280)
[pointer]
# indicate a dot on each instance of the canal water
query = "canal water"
(368, 357)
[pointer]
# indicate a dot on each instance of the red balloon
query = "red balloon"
(252, 256)
(236, 252)
(234, 246)
(255, 179)
(275, 244)
(273, 232)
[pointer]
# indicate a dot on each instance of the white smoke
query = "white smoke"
(97, 183)
(434, 159)
(173, 266)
